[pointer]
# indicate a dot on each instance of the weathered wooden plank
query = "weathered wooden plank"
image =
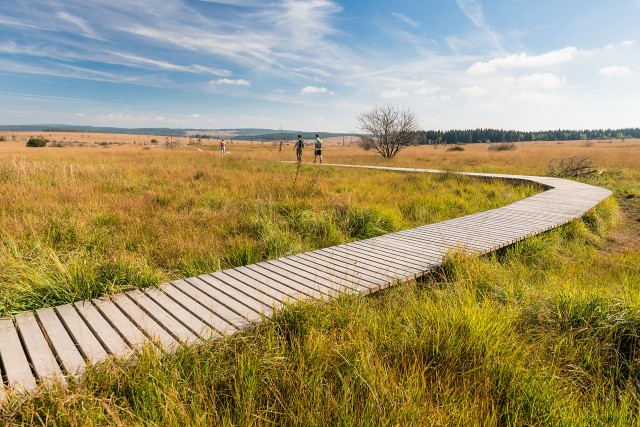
(170, 324)
(376, 257)
(216, 322)
(238, 281)
(397, 248)
(84, 338)
(338, 277)
(35, 344)
(106, 334)
(354, 275)
(145, 322)
(68, 355)
(248, 309)
(386, 273)
(14, 359)
(132, 335)
(332, 282)
(214, 284)
(324, 288)
(194, 323)
(294, 289)
(230, 316)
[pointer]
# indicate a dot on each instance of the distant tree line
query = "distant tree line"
(500, 135)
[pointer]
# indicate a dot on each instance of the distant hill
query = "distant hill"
(256, 134)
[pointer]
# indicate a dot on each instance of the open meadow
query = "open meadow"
(544, 332)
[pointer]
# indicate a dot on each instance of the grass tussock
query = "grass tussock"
(527, 336)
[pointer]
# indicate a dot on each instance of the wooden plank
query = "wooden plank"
(232, 317)
(303, 285)
(192, 322)
(236, 280)
(353, 265)
(372, 283)
(14, 359)
(395, 248)
(145, 322)
(303, 266)
(295, 290)
(68, 355)
(42, 358)
(334, 283)
(84, 338)
(293, 263)
(421, 254)
(365, 264)
(106, 334)
(216, 322)
(377, 256)
(170, 324)
(215, 286)
(132, 335)
(324, 287)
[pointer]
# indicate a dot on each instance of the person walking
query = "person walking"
(317, 149)
(299, 146)
(223, 146)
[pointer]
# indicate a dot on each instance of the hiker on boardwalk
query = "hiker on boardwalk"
(299, 146)
(317, 149)
(223, 146)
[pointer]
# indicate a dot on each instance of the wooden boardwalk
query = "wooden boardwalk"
(52, 343)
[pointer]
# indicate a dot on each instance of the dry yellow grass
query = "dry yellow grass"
(82, 221)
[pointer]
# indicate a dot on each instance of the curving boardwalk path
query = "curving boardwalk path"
(52, 343)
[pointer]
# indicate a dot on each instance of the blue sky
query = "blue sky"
(316, 64)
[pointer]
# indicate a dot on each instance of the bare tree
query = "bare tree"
(387, 129)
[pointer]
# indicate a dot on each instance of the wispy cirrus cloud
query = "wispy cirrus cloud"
(405, 19)
(473, 9)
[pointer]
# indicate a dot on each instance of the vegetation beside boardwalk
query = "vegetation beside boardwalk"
(541, 333)
(77, 223)
(544, 332)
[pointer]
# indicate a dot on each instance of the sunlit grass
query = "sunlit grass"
(81, 222)
(544, 332)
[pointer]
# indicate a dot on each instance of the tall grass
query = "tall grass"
(526, 336)
(81, 222)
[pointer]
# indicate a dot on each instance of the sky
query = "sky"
(316, 64)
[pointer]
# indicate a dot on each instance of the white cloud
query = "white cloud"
(404, 18)
(230, 82)
(315, 90)
(629, 42)
(614, 71)
(404, 88)
(541, 81)
(79, 22)
(170, 66)
(474, 91)
(524, 60)
(395, 93)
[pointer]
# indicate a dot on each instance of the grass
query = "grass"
(81, 222)
(544, 332)
(507, 339)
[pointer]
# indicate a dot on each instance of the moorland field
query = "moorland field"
(544, 332)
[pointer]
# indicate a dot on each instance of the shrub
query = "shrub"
(573, 167)
(502, 146)
(37, 142)
(456, 148)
